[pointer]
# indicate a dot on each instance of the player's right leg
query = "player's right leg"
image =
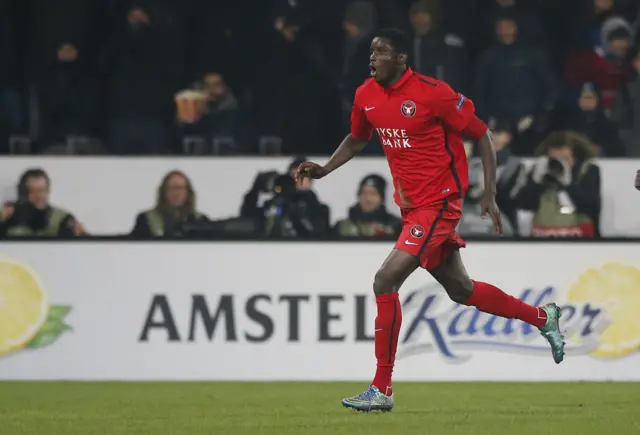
(452, 275)
(393, 272)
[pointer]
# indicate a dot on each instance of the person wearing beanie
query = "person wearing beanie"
(369, 217)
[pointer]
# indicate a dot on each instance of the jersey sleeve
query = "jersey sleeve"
(453, 108)
(360, 127)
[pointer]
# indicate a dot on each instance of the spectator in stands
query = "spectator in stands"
(143, 67)
(297, 96)
(607, 65)
(585, 115)
(435, 54)
(369, 217)
(60, 57)
(588, 23)
(32, 215)
(11, 117)
(626, 112)
(221, 116)
(68, 95)
(175, 213)
(563, 188)
(529, 26)
(358, 25)
(514, 80)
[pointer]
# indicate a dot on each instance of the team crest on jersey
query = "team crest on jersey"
(417, 231)
(408, 108)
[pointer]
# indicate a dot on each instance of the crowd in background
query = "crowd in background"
(559, 80)
(278, 76)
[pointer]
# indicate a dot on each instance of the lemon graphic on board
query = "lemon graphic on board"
(616, 288)
(26, 319)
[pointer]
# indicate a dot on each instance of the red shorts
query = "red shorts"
(430, 233)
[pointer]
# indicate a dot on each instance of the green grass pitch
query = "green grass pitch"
(212, 408)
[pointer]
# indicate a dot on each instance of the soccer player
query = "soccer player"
(421, 122)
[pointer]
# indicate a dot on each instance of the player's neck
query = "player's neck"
(397, 77)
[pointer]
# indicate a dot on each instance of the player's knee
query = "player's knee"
(459, 288)
(384, 282)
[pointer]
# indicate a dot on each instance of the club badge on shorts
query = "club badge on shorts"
(408, 108)
(417, 231)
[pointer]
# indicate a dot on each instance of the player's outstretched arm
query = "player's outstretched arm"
(487, 153)
(348, 149)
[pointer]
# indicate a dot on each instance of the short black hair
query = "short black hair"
(399, 41)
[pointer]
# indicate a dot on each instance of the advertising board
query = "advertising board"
(303, 311)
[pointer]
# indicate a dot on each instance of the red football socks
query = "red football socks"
(492, 300)
(386, 339)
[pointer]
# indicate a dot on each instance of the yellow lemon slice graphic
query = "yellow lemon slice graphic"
(24, 304)
(616, 288)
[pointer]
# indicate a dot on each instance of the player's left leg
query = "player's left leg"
(452, 275)
(394, 271)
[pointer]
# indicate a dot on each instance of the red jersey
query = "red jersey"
(419, 121)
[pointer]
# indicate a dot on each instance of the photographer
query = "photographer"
(175, 212)
(563, 188)
(263, 190)
(32, 215)
(295, 210)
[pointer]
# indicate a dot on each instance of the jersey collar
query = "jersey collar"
(408, 74)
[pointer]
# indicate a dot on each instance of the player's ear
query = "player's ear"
(402, 58)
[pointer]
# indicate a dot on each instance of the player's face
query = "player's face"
(370, 199)
(384, 62)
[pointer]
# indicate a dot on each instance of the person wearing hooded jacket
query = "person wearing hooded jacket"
(606, 64)
(369, 217)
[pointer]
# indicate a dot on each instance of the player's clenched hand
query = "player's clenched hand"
(490, 207)
(311, 170)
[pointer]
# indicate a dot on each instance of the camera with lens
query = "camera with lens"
(555, 168)
(293, 212)
(265, 181)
